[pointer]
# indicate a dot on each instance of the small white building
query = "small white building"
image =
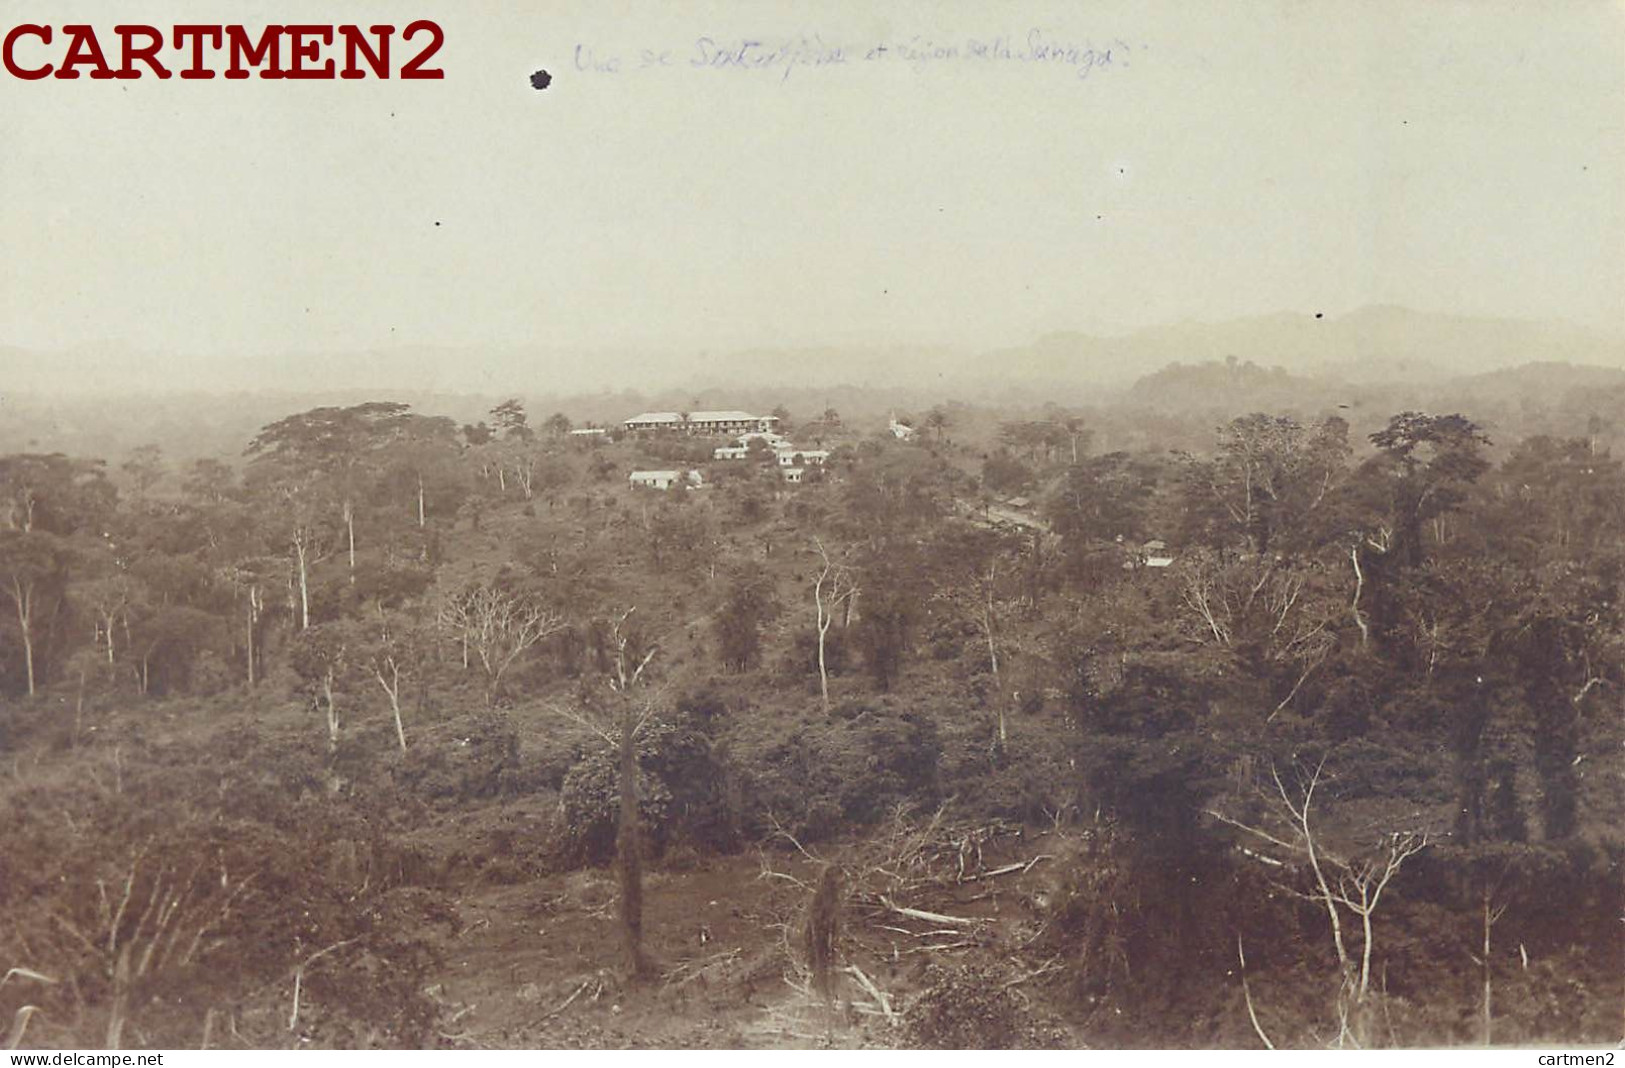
(730, 452)
(789, 456)
(793, 474)
(1155, 553)
(660, 480)
(588, 432)
(1154, 558)
(901, 431)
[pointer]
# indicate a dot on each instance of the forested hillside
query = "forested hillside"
(1239, 709)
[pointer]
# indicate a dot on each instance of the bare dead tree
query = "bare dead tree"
(327, 683)
(1247, 995)
(1261, 604)
(987, 618)
(1491, 916)
(833, 587)
(1359, 588)
(497, 625)
(1341, 884)
(524, 470)
(1360, 885)
(387, 670)
(108, 599)
(389, 660)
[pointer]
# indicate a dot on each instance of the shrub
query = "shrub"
(684, 793)
(845, 772)
(472, 757)
(972, 1007)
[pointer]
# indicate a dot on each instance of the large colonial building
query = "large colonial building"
(704, 422)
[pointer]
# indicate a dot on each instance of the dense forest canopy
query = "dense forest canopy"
(1374, 659)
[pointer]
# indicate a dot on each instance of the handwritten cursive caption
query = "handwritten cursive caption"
(781, 56)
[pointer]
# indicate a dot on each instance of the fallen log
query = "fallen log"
(566, 1003)
(928, 917)
(874, 992)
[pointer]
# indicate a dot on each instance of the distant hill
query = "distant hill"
(1375, 344)
(1541, 377)
(1230, 384)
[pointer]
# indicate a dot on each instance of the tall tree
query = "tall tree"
(390, 646)
(209, 481)
(1423, 469)
(48, 504)
(1553, 499)
(144, 468)
(1102, 507)
(747, 604)
(321, 657)
(165, 640)
(892, 571)
(33, 575)
(421, 461)
(53, 493)
(627, 675)
(510, 420)
(979, 582)
(1268, 479)
(329, 456)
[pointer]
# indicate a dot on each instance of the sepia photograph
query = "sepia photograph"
(739, 525)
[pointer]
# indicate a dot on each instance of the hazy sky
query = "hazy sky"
(1235, 158)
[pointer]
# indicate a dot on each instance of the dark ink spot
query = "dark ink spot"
(437, 222)
(1318, 315)
(541, 80)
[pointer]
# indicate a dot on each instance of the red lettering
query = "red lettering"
(147, 53)
(355, 42)
(300, 50)
(303, 51)
(198, 35)
(268, 48)
(84, 50)
(437, 37)
(30, 74)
